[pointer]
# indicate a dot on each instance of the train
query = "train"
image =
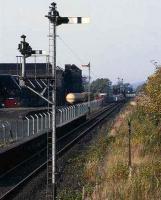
(119, 98)
(74, 98)
(69, 86)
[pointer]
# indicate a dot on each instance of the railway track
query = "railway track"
(64, 144)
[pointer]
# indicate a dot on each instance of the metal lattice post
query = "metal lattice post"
(55, 20)
(54, 113)
(51, 167)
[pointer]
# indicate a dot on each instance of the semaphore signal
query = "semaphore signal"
(55, 20)
(73, 20)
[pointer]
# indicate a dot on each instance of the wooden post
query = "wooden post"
(83, 193)
(129, 162)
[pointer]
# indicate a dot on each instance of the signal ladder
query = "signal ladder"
(52, 61)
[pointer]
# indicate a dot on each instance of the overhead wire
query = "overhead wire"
(71, 50)
(81, 61)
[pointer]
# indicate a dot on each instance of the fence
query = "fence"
(14, 130)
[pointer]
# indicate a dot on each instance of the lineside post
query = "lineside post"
(129, 162)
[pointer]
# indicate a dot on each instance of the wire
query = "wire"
(72, 51)
(74, 54)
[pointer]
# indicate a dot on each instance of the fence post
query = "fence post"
(45, 121)
(78, 110)
(22, 128)
(60, 117)
(33, 124)
(28, 126)
(63, 113)
(69, 113)
(72, 112)
(41, 121)
(66, 114)
(129, 146)
(16, 122)
(4, 134)
(9, 131)
(48, 119)
(37, 122)
(83, 193)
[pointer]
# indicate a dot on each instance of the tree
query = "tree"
(100, 85)
(151, 101)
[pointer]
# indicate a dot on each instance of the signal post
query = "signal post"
(55, 20)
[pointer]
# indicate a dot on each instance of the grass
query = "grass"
(102, 169)
(116, 180)
(84, 169)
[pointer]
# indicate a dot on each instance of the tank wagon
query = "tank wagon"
(73, 98)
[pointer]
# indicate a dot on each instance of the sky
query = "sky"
(120, 41)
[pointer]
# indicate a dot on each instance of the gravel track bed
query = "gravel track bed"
(36, 188)
(11, 179)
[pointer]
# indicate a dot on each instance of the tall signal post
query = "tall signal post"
(24, 57)
(54, 21)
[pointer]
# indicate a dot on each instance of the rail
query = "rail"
(81, 131)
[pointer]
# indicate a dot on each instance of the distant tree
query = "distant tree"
(100, 85)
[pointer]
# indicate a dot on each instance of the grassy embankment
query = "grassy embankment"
(103, 169)
(111, 175)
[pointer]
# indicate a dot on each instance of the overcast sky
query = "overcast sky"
(120, 41)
